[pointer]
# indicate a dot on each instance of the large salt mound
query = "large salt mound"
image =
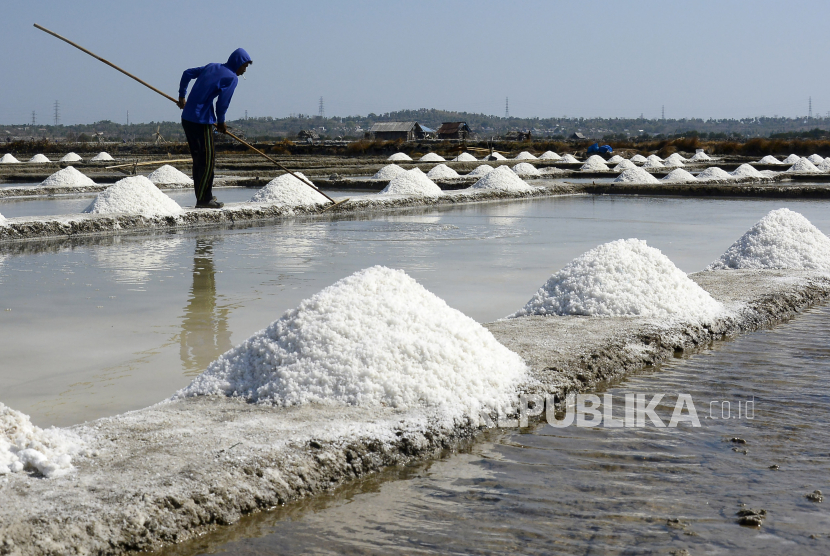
(494, 156)
(713, 174)
(526, 169)
(781, 239)
(3, 220)
(549, 155)
(654, 158)
(286, 190)
(792, 159)
(624, 165)
(71, 157)
(815, 159)
(569, 158)
(803, 166)
(746, 171)
(442, 172)
(9, 159)
(651, 163)
(679, 176)
(67, 177)
(699, 156)
(39, 159)
(622, 278)
(502, 179)
(388, 172)
(399, 157)
(524, 155)
(412, 182)
(134, 195)
(465, 157)
(432, 157)
(675, 160)
(167, 175)
(638, 158)
(26, 447)
(374, 338)
(481, 170)
(824, 166)
(101, 157)
(769, 160)
(594, 163)
(616, 159)
(636, 175)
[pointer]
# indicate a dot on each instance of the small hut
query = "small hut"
(454, 130)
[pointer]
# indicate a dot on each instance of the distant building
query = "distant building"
(518, 136)
(576, 136)
(454, 130)
(308, 134)
(394, 131)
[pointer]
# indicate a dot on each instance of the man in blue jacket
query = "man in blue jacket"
(213, 81)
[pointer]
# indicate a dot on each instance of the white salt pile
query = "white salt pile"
(67, 177)
(679, 176)
(769, 174)
(71, 157)
(746, 171)
(676, 159)
(824, 166)
(654, 158)
(465, 157)
(412, 182)
(792, 159)
(3, 220)
(625, 277)
(9, 159)
(524, 155)
(636, 175)
(26, 447)
(399, 157)
(101, 157)
(700, 156)
(638, 158)
(713, 174)
(769, 160)
(652, 163)
(549, 155)
(569, 158)
(616, 159)
(594, 163)
(481, 170)
(432, 157)
(388, 172)
(502, 179)
(526, 169)
(134, 195)
(803, 166)
(442, 172)
(286, 190)
(781, 239)
(376, 337)
(39, 159)
(815, 159)
(494, 156)
(168, 175)
(624, 165)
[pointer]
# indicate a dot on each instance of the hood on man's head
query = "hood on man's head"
(237, 58)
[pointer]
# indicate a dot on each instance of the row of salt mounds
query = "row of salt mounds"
(465, 157)
(526, 169)
(616, 159)
(399, 157)
(679, 175)
(71, 157)
(769, 159)
(481, 170)
(168, 175)
(442, 172)
(26, 447)
(376, 337)
(638, 158)
(549, 155)
(803, 166)
(67, 177)
(624, 165)
(39, 159)
(102, 157)
(815, 159)
(569, 158)
(412, 182)
(134, 195)
(625, 277)
(700, 156)
(714, 174)
(595, 163)
(388, 172)
(8, 158)
(524, 155)
(286, 190)
(432, 157)
(781, 239)
(636, 175)
(745, 171)
(792, 159)
(502, 179)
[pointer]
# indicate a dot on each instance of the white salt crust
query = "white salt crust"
(67, 177)
(102, 157)
(442, 171)
(502, 179)
(286, 190)
(134, 195)
(168, 175)
(526, 169)
(412, 182)
(399, 157)
(432, 157)
(636, 175)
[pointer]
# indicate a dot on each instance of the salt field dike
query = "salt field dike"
(326, 282)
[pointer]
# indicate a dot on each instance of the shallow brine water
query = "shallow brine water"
(545, 490)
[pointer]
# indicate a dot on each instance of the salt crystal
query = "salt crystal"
(286, 190)
(134, 195)
(67, 177)
(432, 157)
(502, 179)
(168, 175)
(412, 182)
(442, 172)
(526, 169)
(399, 157)
(388, 172)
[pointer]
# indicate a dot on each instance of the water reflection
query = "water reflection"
(205, 333)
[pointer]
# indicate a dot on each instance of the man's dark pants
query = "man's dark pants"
(203, 151)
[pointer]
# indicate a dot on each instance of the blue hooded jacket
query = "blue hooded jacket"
(212, 80)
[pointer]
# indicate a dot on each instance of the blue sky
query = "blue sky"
(700, 59)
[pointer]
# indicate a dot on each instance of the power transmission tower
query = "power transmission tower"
(810, 111)
(34, 118)
(322, 109)
(128, 117)
(57, 112)
(246, 115)
(506, 107)
(663, 113)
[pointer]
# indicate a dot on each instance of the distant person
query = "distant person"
(212, 81)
